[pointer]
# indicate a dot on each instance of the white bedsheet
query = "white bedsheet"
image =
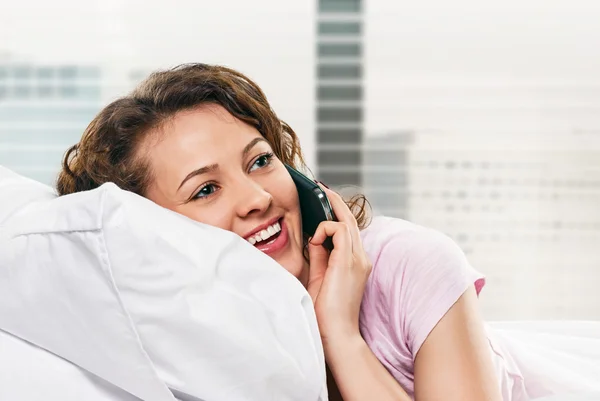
(556, 358)
(572, 397)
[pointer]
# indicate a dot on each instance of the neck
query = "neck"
(303, 277)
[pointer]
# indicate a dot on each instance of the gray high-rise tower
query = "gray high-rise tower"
(339, 91)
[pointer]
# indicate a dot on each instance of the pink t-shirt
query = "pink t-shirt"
(418, 274)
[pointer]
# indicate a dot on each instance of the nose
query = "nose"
(252, 199)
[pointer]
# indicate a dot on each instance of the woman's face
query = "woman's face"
(214, 168)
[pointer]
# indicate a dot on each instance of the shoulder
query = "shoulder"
(392, 242)
(411, 260)
(418, 274)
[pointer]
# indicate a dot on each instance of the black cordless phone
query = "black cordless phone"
(314, 205)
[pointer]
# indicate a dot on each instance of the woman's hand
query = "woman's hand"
(337, 280)
(336, 283)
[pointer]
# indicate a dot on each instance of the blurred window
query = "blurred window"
(339, 114)
(329, 71)
(340, 5)
(339, 28)
(339, 135)
(339, 49)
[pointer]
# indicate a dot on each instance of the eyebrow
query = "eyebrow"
(251, 144)
(202, 170)
(213, 167)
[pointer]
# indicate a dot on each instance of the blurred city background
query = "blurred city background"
(480, 119)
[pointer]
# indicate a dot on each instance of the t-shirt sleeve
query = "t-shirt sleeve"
(420, 279)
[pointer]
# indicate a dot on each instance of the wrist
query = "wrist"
(343, 347)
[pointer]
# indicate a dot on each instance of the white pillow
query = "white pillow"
(17, 192)
(30, 373)
(150, 301)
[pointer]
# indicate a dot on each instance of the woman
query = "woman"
(396, 303)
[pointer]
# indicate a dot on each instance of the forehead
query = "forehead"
(201, 135)
(207, 127)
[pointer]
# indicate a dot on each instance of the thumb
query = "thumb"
(318, 257)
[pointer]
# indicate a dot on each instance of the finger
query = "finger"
(318, 258)
(339, 232)
(342, 254)
(341, 210)
(343, 214)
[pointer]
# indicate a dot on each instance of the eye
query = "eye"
(262, 161)
(206, 191)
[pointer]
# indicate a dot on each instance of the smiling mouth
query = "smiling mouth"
(266, 236)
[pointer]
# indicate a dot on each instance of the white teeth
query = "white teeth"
(265, 234)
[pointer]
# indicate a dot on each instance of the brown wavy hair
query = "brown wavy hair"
(107, 149)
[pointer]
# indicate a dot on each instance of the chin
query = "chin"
(293, 267)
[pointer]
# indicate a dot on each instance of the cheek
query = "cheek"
(213, 216)
(286, 197)
(285, 192)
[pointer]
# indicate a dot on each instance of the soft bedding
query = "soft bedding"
(127, 300)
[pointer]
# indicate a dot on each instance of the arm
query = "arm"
(359, 374)
(336, 285)
(452, 364)
(454, 361)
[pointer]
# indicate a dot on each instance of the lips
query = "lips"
(271, 238)
(269, 233)
(261, 227)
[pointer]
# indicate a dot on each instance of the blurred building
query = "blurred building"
(489, 137)
(339, 119)
(44, 109)
(527, 214)
(386, 173)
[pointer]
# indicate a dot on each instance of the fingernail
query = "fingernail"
(322, 183)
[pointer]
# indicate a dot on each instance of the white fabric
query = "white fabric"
(573, 397)
(559, 358)
(129, 300)
(28, 373)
